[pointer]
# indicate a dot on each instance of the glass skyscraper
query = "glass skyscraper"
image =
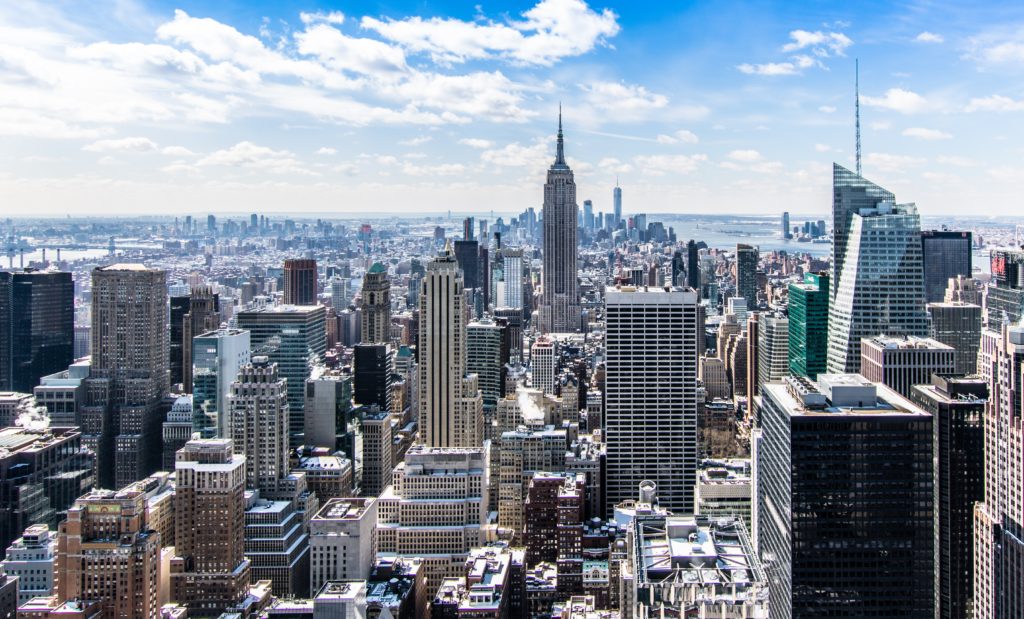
(879, 285)
(37, 327)
(944, 254)
(808, 325)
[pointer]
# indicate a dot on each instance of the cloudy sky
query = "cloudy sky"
(127, 106)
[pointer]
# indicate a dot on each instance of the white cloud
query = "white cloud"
(338, 51)
(997, 46)
(122, 145)
(880, 125)
(444, 169)
(254, 157)
(769, 69)
(822, 148)
(922, 133)
(476, 143)
(622, 98)
(611, 164)
(416, 141)
(676, 164)
(897, 100)
(1010, 174)
(327, 150)
(929, 37)
(176, 151)
(333, 17)
(956, 160)
(995, 103)
(551, 30)
(767, 167)
(891, 163)
(822, 43)
(516, 155)
(685, 136)
(827, 109)
(746, 156)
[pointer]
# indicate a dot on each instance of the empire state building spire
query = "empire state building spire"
(560, 150)
(560, 310)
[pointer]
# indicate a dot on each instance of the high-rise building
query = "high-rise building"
(484, 345)
(378, 452)
(560, 310)
(693, 265)
(128, 376)
(342, 540)
(945, 254)
(107, 551)
(1003, 299)
(293, 337)
(786, 232)
(202, 315)
(375, 325)
(449, 404)
(902, 362)
(844, 506)
(808, 325)
(216, 358)
(616, 193)
(209, 572)
(512, 274)
(958, 325)
(331, 422)
(32, 560)
(588, 215)
(998, 534)
(543, 361)
(747, 258)
(300, 282)
(37, 327)
(879, 284)
(651, 394)
(259, 417)
(371, 375)
(772, 348)
(42, 472)
(957, 406)
(467, 254)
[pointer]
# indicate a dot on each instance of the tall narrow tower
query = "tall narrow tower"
(560, 303)
(376, 306)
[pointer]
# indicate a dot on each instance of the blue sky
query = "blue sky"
(122, 106)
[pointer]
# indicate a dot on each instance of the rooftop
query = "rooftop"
(344, 509)
(905, 342)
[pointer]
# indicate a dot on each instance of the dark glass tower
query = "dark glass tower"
(957, 406)
(944, 255)
(843, 472)
(746, 274)
(808, 325)
(693, 265)
(372, 375)
(850, 193)
(37, 327)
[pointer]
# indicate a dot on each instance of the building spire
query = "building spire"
(560, 152)
(856, 95)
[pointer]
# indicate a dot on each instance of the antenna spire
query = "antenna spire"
(856, 95)
(560, 152)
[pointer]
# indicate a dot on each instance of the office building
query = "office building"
(651, 393)
(436, 508)
(277, 545)
(772, 349)
(331, 422)
(292, 337)
(37, 326)
(342, 541)
(375, 323)
(209, 572)
(42, 472)
(63, 393)
(340, 297)
(560, 310)
(371, 375)
(512, 278)
(693, 265)
(108, 552)
(747, 258)
(201, 315)
(32, 559)
(678, 566)
(957, 406)
(300, 282)
(879, 283)
(1003, 298)
(850, 194)
(260, 415)
(945, 254)
(485, 341)
(128, 376)
(543, 362)
(808, 325)
(378, 452)
(467, 255)
(902, 362)
(844, 505)
(958, 325)
(217, 356)
(724, 490)
(998, 537)
(176, 430)
(786, 232)
(449, 402)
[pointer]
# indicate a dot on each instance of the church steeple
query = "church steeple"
(560, 151)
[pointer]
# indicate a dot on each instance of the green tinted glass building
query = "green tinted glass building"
(808, 325)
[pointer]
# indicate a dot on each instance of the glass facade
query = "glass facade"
(945, 254)
(37, 330)
(808, 325)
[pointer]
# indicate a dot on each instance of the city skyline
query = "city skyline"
(183, 106)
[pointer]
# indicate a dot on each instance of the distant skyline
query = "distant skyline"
(122, 107)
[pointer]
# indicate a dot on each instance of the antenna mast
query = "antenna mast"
(856, 91)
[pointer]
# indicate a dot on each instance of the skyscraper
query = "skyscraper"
(209, 572)
(957, 406)
(808, 325)
(786, 232)
(693, 265)
(902, 362)
(512, 274)
(850, 193)
(449, 411)
(128, 376)
(202, 316)
(843, 472)
(772, 349)
(37, 327)
(259, 423)
(216, 358)
(616, 193)
(958, 325)
(880, 286)
(371, 375)
(746, 274)
(998, 534)
(945, 254)
(651, 394)
(294, 337)
(560, 310)
(375, 325)
(300, 282)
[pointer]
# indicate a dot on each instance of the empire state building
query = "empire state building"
(560, 299)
